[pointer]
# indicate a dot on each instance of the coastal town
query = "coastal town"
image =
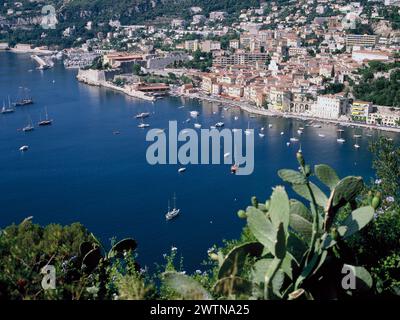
(232, 151)
(308, 59)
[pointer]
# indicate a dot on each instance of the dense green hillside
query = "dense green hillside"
(76, 13)
(134, 11)
(130, 11)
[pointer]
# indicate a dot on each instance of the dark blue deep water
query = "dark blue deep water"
(77, 170)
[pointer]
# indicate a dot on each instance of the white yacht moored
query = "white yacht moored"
(356, 145)
(340, 139)
(172, 213)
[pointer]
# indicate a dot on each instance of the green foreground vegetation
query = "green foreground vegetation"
(336, 245)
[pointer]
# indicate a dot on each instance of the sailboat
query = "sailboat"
(45, 122)
(340, 139)
(248, 132)
(172, 213)
(293, 138)
(29, 126)
(356, 145)
(143, 125)
(9, 109)
(24, 101)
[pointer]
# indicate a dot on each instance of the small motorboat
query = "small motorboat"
(261, 135)
(181, 170)
(24, 148)
(321, 135)
(142, 115)
(143, 125)
(194, 114)
(282, 133)
(288, 144)
(219, 124)
(197, 125)
(294, 139)
(270, 126)
(226, 155)
(236, 118)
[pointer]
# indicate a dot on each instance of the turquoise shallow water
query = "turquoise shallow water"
(77, 170)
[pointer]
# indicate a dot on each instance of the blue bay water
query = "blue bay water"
(78, 170)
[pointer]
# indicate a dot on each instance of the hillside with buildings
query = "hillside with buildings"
(304, 58)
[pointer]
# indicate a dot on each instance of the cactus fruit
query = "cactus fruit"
(254, 201)
(376, 201)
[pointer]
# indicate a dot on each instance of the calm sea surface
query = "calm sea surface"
(78, 170)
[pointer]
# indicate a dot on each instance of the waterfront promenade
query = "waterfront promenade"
(264, 112)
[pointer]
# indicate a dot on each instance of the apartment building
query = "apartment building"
(279, 98)
(209, 46)
(384, 119)
(361, 40)
(330, 107)
(192, 45)
(234, 44)
(241, 58)
(361, 109)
